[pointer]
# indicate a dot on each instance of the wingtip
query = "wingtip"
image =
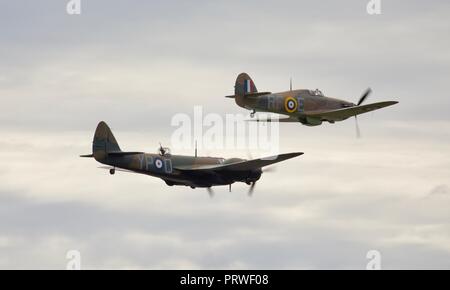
(293, 154)
(391, 103)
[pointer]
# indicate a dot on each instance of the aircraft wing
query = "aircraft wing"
(342, 114)
(242, 165)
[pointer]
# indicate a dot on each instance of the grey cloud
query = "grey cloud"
(221, 238)
(51, 60)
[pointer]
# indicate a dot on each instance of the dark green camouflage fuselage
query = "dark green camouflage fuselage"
(173, 169)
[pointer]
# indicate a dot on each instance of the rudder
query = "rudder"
(104, 142)
(244, 85)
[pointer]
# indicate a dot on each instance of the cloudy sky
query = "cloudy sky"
(135, 64)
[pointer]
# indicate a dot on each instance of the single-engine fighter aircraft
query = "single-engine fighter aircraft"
(309, 107)
(190, 171)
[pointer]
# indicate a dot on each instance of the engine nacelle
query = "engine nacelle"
(253, 176)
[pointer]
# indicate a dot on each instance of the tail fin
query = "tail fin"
(244, 85)
(104, 142)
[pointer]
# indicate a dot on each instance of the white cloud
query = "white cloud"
(322, 210)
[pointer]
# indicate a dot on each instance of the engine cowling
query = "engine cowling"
(253, 176)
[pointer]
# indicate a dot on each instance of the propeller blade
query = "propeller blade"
(210, 191)
(364, 96)
(251, 189)
(358, 132)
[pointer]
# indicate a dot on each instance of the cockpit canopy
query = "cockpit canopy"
(232, 160)
(163, 151)
(316, 92)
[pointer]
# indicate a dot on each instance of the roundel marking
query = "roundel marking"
(158, 163)
(290, 104)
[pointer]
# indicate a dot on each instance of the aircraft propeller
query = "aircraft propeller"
(361, 100)
(253, 184)
(252, 188)
(364, 96)
(358, 132)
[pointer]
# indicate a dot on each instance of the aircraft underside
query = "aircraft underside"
(209, 179)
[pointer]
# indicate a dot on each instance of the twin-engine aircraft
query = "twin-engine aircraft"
(309, 107)
(190, 171)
